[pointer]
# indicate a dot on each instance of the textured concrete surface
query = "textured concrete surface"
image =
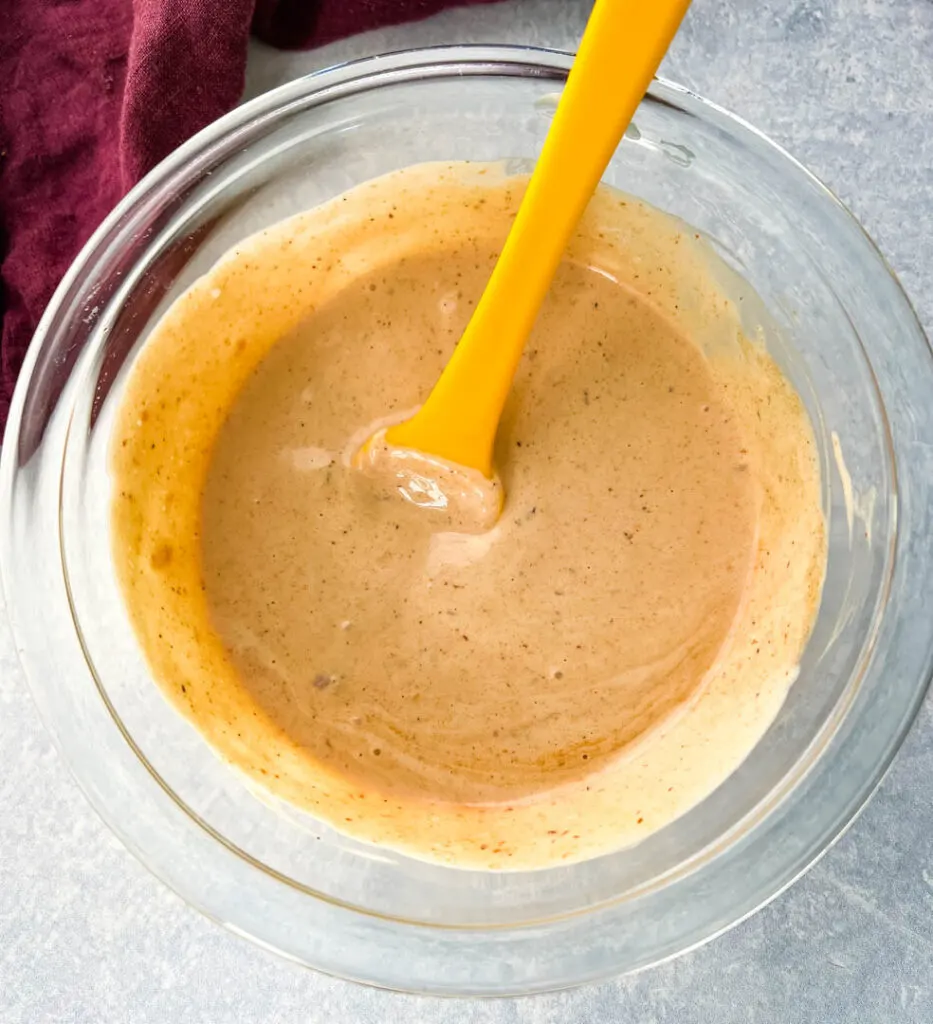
(86, 935)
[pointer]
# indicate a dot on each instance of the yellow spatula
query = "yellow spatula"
(621, 49)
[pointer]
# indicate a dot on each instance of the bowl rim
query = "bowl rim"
(328, 84)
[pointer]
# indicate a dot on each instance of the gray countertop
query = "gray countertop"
(87, 935)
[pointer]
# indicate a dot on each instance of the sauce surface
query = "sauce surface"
(547, 689)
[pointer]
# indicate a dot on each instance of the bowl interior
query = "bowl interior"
(688, 168)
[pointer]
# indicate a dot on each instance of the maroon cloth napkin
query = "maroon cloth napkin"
(93, 93)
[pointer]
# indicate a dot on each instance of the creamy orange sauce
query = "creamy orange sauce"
(543, 689)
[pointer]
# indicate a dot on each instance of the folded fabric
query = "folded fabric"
(96, 92)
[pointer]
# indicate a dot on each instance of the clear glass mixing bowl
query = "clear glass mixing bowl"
(834, 316)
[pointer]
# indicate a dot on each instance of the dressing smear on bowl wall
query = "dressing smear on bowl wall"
(552, 687)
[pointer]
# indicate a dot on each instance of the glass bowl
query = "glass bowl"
(833, 315)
